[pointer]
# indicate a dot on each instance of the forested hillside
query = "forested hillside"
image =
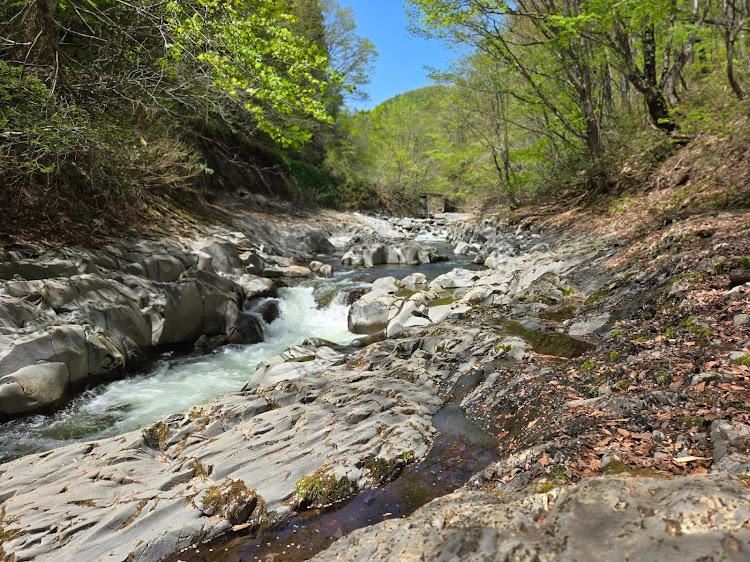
(551, 98)
(112, 108)
(104, 105)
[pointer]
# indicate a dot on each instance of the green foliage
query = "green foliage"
(250, 67)
(314, 183)
(249, 53)
(39, 136)
(558, 93)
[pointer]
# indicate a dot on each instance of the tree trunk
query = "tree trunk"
(730, 64)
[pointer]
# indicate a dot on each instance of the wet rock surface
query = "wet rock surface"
(698, 518)
(234, 461)
(615, 385)
(76, 317)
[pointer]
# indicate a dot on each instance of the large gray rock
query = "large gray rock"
(33, 388)
(731, 440)
(85, 354)
(225, 257)
(697, 518)
(457, 278)
(146, 494)
(369, 314)
(37, 269)
(370, 255)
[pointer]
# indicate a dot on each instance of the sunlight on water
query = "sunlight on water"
(313, 310)
(177, 384)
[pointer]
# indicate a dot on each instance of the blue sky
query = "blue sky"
(400, 66)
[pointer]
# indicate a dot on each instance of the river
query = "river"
(173, 384)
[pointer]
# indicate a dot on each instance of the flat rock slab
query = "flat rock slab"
(146, 494)
(604, 518)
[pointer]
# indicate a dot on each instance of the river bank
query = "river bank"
(562, 353)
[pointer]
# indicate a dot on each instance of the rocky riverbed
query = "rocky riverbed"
(614, 433)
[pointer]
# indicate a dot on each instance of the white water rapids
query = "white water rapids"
(174, 385)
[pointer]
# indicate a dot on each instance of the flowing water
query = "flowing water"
(313, 309)
(174, 385)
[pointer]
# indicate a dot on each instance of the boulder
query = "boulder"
(33, 388)
(290, 271)
(247, 329)
(414, 281)
(370, 314)
(599, 518)
(225, 257)
(370, 255)
(31, 270)
(326, 271)
(255, 287)
(396, 324)
(268, 309)
(457, 278)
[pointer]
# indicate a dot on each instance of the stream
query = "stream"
(460, 450)
(314, 308)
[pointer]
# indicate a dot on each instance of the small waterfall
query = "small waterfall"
(176, 384)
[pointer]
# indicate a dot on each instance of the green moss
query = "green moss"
(588, 366)
(383, 470)
(407, 456)
(547, 343)
(601, 380)
(618, 334)
(663, 378)
(623, 385)
(672, 281)
(312, 181)
(442, 301)
(321, 488)
(696, 330)
(692, 421)
(613, 356)
(600, 294)
(744, 360)
(546, 486)
(669, 331)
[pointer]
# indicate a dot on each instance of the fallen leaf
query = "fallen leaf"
(544, 459)
(690, 458)
(532, 423)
